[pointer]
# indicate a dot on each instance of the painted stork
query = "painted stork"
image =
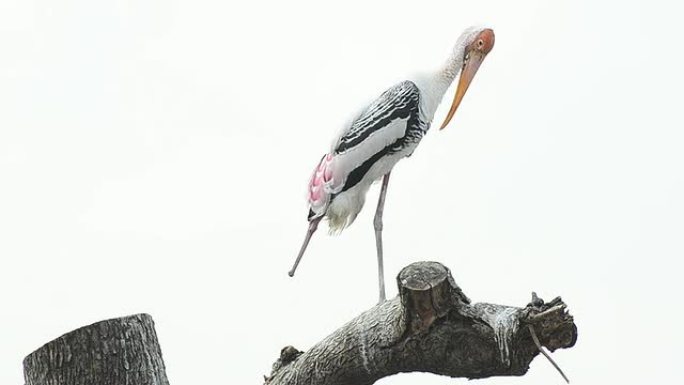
(386, 131)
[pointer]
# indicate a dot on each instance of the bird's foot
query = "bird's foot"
(382, 298)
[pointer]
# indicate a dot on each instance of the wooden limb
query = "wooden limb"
(430, 327)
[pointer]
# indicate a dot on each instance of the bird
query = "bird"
(380, 135)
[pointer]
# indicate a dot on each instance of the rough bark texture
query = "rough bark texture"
(120, 351)
(430, 327)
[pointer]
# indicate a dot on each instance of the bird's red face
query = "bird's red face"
(474, 55)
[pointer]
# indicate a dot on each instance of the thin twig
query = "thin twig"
(546, 313)
(548, 357)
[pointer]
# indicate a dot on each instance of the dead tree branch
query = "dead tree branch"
(430, 327)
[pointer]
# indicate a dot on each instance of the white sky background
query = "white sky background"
(154, 158)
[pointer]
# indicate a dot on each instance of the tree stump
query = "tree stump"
(119, 351)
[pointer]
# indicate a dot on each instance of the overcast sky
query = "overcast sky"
(154, 158)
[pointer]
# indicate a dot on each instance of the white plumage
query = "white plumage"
(386, 131)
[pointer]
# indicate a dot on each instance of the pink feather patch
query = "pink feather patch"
(318, 195)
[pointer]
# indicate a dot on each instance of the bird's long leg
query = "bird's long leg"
(377, 224)
(313, 225)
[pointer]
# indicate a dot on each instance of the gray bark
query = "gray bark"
(120, 351)
(431, 326)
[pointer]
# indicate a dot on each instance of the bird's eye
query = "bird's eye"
(480, 43)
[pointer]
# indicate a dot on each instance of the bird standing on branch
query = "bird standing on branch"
(383, 133)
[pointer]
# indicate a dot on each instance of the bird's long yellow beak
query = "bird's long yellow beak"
(467, 74)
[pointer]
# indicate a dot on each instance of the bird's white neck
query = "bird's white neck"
(434, 84)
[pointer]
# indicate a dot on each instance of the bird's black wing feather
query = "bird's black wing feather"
(398, 102)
